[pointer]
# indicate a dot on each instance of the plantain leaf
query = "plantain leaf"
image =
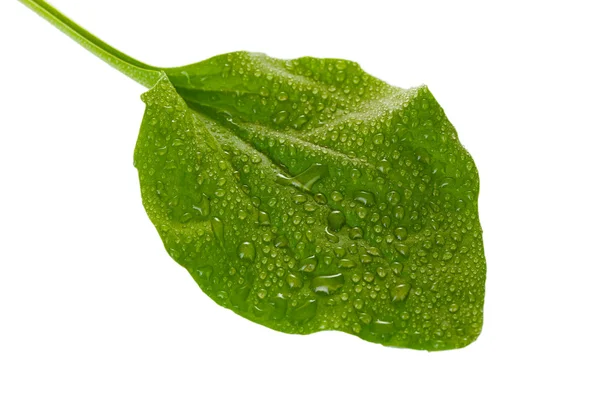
(307, 195)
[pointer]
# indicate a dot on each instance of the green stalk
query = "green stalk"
(143, 73)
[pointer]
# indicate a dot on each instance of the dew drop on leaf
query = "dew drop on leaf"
(218, 229)
(399, 292)
(246, 251)
(365, 198)
(346, 263)
(336, 220)
(401, 233)
(327, 284)
(203, 206)
(309, 264)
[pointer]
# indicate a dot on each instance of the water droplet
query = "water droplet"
(358, 304)
(355, 174)
(263, 218)
(306, 179)
(439, 240)
(336, 196)
(293, 281)
(339, 251)
(374, 251)
(365, 198)
(382, 327)
(453, 308)
(422, 155)
(299, 198)
(320, 198)
(397, 268)
(336, 220)
(281, 242)
(218, 229)
(282, 96)
(353, 248)
(310, 207)
(332, 237)
(402, 249)
(401, 233)
(399, 292)
(309, 264)
(203, 273)
(300, 121)
(203, 207)
(341, 64)
(386, 221)
(398, 212)
(246, 251)
(280, 117)
(355, 233)
(384, 166)
(264, 92)
(393, 197)
(346, 263)
(327, 284)
(362, 212)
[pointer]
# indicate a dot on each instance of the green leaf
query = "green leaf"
(307, 195)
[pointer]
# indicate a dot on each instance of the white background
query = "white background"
(92, 307)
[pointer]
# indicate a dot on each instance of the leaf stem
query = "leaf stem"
(143, 73)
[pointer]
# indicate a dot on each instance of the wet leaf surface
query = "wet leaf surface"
(307, 195)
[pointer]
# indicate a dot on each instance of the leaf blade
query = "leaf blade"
(373, 187)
